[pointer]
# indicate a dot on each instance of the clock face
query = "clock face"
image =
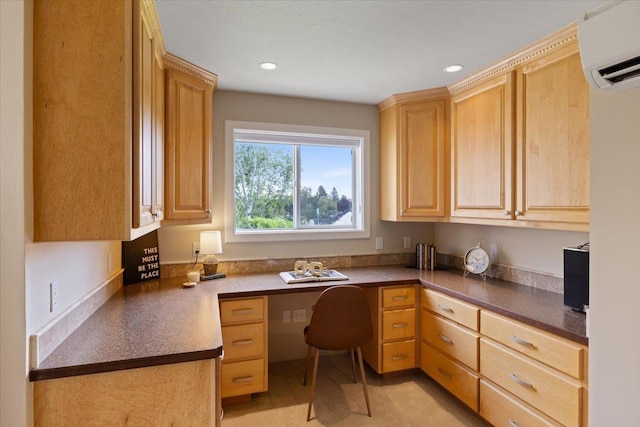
(476, 260)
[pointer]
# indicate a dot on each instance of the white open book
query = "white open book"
(292, 277)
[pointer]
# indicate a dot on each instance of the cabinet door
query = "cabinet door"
(187, 146)
(158, 138)
(422, 157)
(481, 151)
(143, 129)
(553, 139)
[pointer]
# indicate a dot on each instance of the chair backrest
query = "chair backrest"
(341, 319)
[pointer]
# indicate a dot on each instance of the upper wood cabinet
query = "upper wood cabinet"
(93, 119)
(553, 139)
(413, 144)
(148, 107)
(520, 140)
(482, 150)
(188, 139)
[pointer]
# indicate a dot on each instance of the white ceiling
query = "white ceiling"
(356, 51)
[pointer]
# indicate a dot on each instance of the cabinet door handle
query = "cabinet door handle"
(521, 382)
(513, 423)
(242, 380)
(445, 308)
(400, 357)
(446, 339)
(248, 341)
(400, 297)
(400, 325)
(444, 373)
(242, 311)
(519, 213)
(507, 213)
(521, 341)
(208, 212)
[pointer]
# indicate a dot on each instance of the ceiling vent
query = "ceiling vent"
(609, 38)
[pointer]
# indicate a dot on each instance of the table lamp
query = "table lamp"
(210, 244)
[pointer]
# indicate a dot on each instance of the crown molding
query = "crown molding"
(565, 36)
(170, 60)
(419, 95)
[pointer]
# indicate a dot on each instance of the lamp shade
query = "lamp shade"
(210, 242)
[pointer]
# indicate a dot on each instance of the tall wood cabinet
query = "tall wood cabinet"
(93, 103)
(413, 145)
(520, 140)
(188, 138)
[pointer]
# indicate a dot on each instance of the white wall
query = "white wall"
(528, 249)
(15, 391)
(614, 344)
(175, 242)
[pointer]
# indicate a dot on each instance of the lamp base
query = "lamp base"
(213, 276)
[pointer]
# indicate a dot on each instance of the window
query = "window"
(295, 182)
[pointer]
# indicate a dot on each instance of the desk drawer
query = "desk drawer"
(398, 324)
(241, 310)
(554, 351)
(398, 297)
(556, 395)
(240, 378)
(243, 341)
(458, 311)
(399, 355)
(500, 409)
(454, 377)
(451, 339)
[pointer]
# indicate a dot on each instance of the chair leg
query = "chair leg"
(313, 381)
(364, 380)
(353, 365)
(306, 365)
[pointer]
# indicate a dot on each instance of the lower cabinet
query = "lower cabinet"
(393, 311)
(511, 373)
(449, 344)
(244, 342)
(178, 394)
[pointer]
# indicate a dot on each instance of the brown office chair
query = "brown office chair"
(341, 320)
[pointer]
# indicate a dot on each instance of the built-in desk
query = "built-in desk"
(148, 329)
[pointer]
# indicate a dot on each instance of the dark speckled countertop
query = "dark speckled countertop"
(160, 322)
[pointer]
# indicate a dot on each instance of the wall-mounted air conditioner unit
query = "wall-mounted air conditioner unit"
(609, 38)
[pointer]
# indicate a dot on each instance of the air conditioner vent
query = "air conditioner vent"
(622, 71)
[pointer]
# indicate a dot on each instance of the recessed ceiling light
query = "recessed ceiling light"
(268, 65)
(453, 68)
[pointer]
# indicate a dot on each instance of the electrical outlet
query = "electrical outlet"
(493, 252)
(286, 316)
(299, 315)
(379, 243)
(407, 242)
(195, 247)
(53, 296)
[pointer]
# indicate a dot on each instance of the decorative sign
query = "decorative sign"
(141, 259)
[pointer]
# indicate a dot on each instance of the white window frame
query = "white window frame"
(360, 199)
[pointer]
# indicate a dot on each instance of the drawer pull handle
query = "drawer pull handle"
(243, 342)
(513, 423)
(446, 339)
(242, 311)
(521, 382)
(241, 380)
(521, 341)
(445, 308)
(400, 325)
(399, 357)
(400, 297)
(443, 373)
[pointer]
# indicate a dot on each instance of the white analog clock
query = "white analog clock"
(476, 261)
